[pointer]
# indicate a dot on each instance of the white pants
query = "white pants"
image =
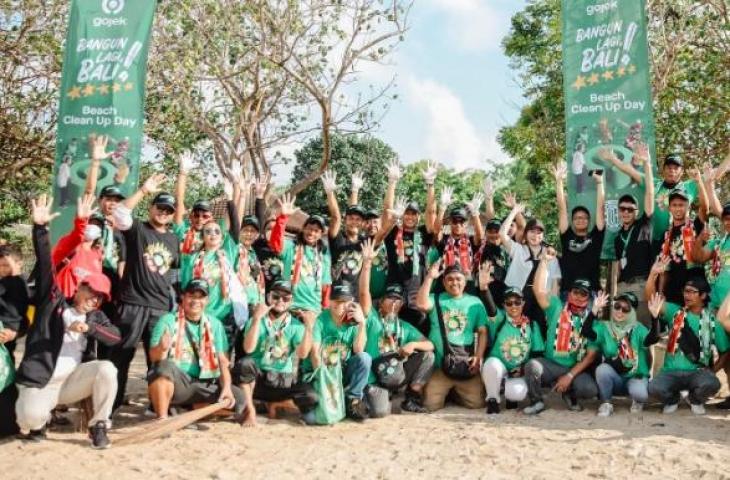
(493, 372)
(97, 379)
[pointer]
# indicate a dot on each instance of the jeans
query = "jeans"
(493, 372)
(357, 370)
(701, 383)
(541, 372)
(611, 383)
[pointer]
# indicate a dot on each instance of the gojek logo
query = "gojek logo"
(112, 7)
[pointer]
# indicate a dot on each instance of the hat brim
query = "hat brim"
(196, 289)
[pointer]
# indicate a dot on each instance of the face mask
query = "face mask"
(91, 233)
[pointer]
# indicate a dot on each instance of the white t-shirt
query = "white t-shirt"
(73, 347)
(579, 162)
(521, 266)
(64, 173)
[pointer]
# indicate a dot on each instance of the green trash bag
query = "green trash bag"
(327, 382)
(7, 368)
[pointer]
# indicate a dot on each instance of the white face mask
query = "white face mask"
(92, 232)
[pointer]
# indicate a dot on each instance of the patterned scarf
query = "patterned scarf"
(688, 236)
(207, 356)
(255, 272)
(462, 248)
(621, 333)
(189, 241)
(716, 260)
(565, 341)
(199, 269)
(299, 259)
(523, 323)
(400, 250)
(706, 334)
(391, 332)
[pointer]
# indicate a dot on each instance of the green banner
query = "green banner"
(607, 88)
(102, 92)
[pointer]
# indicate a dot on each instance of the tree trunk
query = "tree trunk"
(326, 154)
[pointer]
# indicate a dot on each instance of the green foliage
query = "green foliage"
(465, 183)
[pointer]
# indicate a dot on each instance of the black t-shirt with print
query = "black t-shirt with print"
(151, 255)
(679, 271)
(346, 259)
(634, 250)
(499, 259)
(581, 257)
(401, 272)
(269, 262)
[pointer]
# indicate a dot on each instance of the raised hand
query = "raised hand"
(696, 174)
(600, 302)
(308, 318)
(660, 264)
(286, 204)
(84, 206)
(41, 210)
(227, 188)
(559, 171)
(97, 147)
(641, 152)
(708, 172)
(436, 270)
(485, 275)
(187, 162)
(154, 183)
(548, 255)
(656, 304)
(329, 181)
(518, 208)
(261, 310)
(261, 185)
(510, 200)
(368, 250)
(488, 187)
(357, 181)
(399, 208)
(607, 155)
(394, 172)
(445, 198)
(429, 174)
(475, 203)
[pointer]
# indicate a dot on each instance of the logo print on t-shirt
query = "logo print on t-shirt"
(276, 350)
(273, 267)
(333, 353)
(158, 258)
(455, 321)
(349, 263)
(514, 350)
(578, 246)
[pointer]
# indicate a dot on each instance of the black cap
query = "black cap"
(513, 292)
(251, 221)
(372, 214)
(197, 285)
(630, 298)
(458, 213)
(111, 191)
(355, 210)
(203, 205)
(674, 158)
(581, 284)
(580, 208)
(725, 210)
(342, 291)
(98, 217)
(494, 224)
(282, 286)
(455, 268)
(317, 219)
(699, 283)
(164, 199)
(534, 224)
(394, 290)
(413, 207)
(628, 198)
(678, 193)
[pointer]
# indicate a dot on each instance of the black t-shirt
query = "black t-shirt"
(633, 249)
(581, 257)
(400, 272)
(119, 254)
(499, 259)
(678, 271)
(151, 256)
(14, 301)
(346, 259)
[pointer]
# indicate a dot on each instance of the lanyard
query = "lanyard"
(626, 240)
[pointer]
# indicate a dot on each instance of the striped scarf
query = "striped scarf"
(299, 260)
(687, 235)
(199, 269)
(460, 248)
(207, 356)
(706, 334)
(400, 250)
(565, 341)
(188, 245)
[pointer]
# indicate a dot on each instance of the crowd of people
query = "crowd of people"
(370, 312)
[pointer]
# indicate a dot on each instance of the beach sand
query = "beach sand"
(451, 443)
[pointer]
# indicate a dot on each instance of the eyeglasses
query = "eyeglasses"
(621, 307)
(278, 296)
(212, 231)
(513, 303)
(627, 209)
(165, 210)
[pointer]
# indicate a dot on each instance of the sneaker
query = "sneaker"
(697, 408)
(534, 409)
(605, 410)
(511, 405)
(671, 408)
(492, 406)
(412, 405)
(97, 434)
(357, 410)
(572, 403)
(636, 407)
(36, 436)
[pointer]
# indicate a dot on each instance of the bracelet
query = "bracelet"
(570, 374)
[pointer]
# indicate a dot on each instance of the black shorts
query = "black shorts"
(268, 388)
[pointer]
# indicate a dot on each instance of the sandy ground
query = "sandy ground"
(452, 443)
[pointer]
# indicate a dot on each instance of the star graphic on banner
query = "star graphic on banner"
(128, 86)
(608, 75)
(580, 82)
(88, 90)
(621, 71)
(74, 93)
(103, 89)
(116, 87)
(593, 79)
(632, 69)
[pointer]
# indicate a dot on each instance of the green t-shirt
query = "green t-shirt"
(509, 344)
(677, 361)
(721, 282)
(661, 218)
(578, 344)
(181, 231)
(188, 362)
(277, 344)
(462, 316)
(387, 337)
(379, 273)
(314, 274)
(608, 343)
(332, 340)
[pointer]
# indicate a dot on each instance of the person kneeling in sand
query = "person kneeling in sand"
(568, 353)
(59, 365)
(455, 317)
(189, 362)
(401, 354)
(274, 342)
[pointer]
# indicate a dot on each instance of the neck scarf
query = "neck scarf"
(716, 258)
(205, 350)
(460, 248)
(199, 269)
(565, 340)
(688, 235)
(706, 334)
(189, 241)
(299, 259)
(391, 332)
(401, 251)
(522, 323)
(621, 333)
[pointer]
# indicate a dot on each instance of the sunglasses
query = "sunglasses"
(622, 307)
(278, 296)
(212, 231)
(513, 303)
(627, 209)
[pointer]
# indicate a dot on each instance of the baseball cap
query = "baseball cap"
(316, 219)
(494, 224)
(197, 285)
(394, 290)
(111, 191)
(458, 214)
(413, 207)
(342, 291)
(630, 298)
(372, 214)
(628, 198)
(534, 224)
(99, 283)
(282, 286)
(455, 268)
(674, 158)
(678, 193)
(581, 284)
(164, 199)
(203, 205)
(355, 210)
(251, 221)
(513, 292)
